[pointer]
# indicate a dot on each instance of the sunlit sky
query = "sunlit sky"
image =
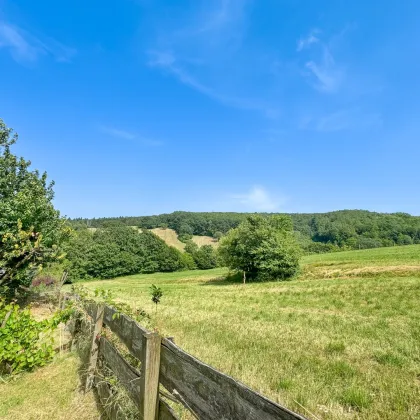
(144, 107)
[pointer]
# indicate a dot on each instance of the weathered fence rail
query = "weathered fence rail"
(206, 392)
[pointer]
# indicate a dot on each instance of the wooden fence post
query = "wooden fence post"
(149, 381)
(93, 355)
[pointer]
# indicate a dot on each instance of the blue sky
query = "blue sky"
(141, 107)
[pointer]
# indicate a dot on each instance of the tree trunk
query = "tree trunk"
(244, 276)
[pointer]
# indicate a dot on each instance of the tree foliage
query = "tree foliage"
(345, 229)
(204, 257)
(24, 342)
(263, 248)
(118, 250)
(31, 230)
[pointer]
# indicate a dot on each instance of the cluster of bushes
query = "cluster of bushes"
(117, 250)
(204, 257)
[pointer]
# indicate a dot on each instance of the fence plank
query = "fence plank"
(166, 412)
(127, 330)
(128, 376)
(150, 366)
(110, 408)
(93, 356)
(211, 394)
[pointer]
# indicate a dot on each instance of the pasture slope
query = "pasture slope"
(171, 238)
(341, 341)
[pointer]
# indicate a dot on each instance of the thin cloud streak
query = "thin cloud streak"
(307, 41)
(193, 53)
(126, 135)
(166, 61)
(25, 47)
(322, 72)
(343, 120)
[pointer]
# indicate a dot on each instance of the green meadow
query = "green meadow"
(340, 341)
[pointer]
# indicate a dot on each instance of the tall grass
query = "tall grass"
(329, 347)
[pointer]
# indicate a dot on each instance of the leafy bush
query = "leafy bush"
(24, 342)
(262, 247)
(188, 262)
(184, 237)
(205, 257)
(119, 250)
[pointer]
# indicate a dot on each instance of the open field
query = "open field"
(49, 393)
(333, 347)
(205, 240)
(397, 260)
(171, 238)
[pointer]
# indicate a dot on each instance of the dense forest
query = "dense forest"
(317, 232)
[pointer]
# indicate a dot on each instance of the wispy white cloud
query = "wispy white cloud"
(25, 47)
(328, 77)
(341, 120)
(308, 40)
(115, 132)
(194, 53)
(226, 13)
(168, 62)
(127, 135)
(321, 70)
(259, 199)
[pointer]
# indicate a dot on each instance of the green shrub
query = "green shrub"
(184, 237)
(24, 342)
(263, 248)
(119, 250)
(205, 257)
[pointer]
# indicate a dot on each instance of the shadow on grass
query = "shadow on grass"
(231, 278)
(237, 278)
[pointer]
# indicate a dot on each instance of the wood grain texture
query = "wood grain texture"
(150, 366)
(211, 394)
(128, 376)
(127, 330)
(93, 355)
(166, 412)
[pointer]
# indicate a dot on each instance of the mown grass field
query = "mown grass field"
(341, 341)
(50, 392)
(171, 238)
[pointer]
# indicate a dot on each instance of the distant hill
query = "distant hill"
(317, 232)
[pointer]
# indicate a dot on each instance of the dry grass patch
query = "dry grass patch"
(170, 237)
(205, 240)
(51, 392)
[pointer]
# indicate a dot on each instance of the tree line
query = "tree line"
(34, 236)
(316, 232)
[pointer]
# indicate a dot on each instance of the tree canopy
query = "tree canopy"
(263, 248)
(31, 230)
(318, 232)
(118, 250)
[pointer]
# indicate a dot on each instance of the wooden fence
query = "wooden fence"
(204, 391)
